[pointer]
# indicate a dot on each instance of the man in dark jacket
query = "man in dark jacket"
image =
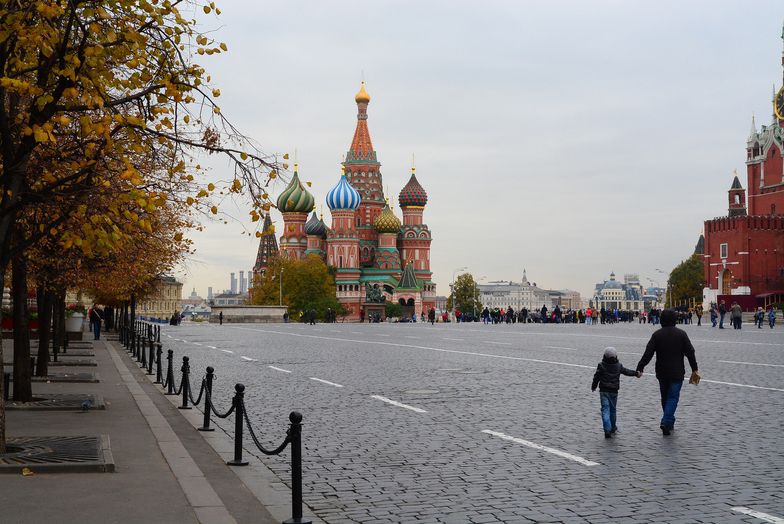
(608, 378)
(670, 344)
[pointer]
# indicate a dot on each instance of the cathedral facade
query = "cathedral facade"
(377, 257)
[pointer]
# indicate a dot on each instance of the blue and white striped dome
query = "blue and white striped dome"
(343, 196)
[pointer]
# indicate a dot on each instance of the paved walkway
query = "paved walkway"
(165, 471)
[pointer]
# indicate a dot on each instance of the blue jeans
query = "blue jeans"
(609, 402)
(721, 320)
(670, 394)
(97, 330)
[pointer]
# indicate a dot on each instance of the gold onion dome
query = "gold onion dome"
(295, 198)
(362, 96)
(387, 222)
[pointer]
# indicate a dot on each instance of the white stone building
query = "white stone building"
(503, 294)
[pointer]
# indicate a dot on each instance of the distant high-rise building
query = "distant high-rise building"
(233, 283)
(243, 282)
(209, 293)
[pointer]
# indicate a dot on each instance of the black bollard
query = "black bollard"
(144, 353)
(170, 374)
(295, 438)
(237, 401)
(158, 335)
(158, 371)
(185, 382)
(6, 386)
(151, 360)
(205, 426)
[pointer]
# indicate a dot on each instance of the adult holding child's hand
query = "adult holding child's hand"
(670, 345)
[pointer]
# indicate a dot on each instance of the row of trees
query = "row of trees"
(104, 114)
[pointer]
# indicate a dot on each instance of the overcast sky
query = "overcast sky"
(569, 138)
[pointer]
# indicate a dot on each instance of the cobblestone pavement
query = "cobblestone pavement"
(474, 423)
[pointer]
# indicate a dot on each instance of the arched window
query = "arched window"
(737, 199)
(359, 221)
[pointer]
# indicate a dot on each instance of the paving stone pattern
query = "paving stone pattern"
(368, 461)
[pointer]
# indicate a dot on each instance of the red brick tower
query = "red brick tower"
(364, 174)
(414, 240)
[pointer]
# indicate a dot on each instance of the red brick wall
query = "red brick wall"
(755, 252)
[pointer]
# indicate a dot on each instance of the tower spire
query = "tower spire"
(753, 131)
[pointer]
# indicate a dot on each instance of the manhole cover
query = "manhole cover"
(421, 392)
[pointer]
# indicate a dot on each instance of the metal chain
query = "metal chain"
(208, 400)
(179, 389)
(276, 451)
(201, 391)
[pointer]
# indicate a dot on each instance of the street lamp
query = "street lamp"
(280, 291)
(669, 287)
(453, 288)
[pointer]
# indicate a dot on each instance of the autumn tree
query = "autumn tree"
(306, 284)
(686, 282)
(87, 87)
(465, 295)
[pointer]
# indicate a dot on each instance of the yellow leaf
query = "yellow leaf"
(286, 156)
(214, 210)
(207, 9)
(244, 155)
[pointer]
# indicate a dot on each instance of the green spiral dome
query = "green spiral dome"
(387, 222)
(295, 198)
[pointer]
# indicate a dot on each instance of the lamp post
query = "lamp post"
(453, 288)
(280, 289)
(669, 287)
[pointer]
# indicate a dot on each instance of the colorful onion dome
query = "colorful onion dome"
(362, 96)
(412, 194)
(387, 222)
(295, 198)
(343, 196)
(314, 226)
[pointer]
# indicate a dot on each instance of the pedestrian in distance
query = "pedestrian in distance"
(608, 378)
(220, 319)
(431, 316)
(736, 315)
(714, 314)
(722, 312)
(96, 317)
(759, 317)
(698, 311)
(771, 317)
(670, 345)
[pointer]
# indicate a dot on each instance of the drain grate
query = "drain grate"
(58, 454)
(57, 402)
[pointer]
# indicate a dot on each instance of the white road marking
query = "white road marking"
(381, 335)
(356, 332)
(195, 343)
(441, 350)
(248, 359)
(326, 382)
(559, 347)
(398, 404)
(455, 339)
(168, 335)
(212, 347)
(497, 343)
(227, 351)
(758, 514)
(741, 385)
(279, 369)
(409, 336)
(534, 445)
(752, 363)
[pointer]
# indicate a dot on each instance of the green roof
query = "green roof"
(408, 280)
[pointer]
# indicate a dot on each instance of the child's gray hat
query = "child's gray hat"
(610, 353)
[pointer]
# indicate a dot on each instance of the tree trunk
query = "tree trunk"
(59, 311)
(133, 309)
(44, 329)
(23, 386)
(2, 382)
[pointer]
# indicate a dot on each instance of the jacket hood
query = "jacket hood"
(668, 318)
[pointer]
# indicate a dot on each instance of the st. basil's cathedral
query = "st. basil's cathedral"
(376, 257)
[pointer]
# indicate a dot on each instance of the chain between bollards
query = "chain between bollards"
(143, 353)
(151, 360)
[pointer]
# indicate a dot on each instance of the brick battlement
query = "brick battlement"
(756, 222)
